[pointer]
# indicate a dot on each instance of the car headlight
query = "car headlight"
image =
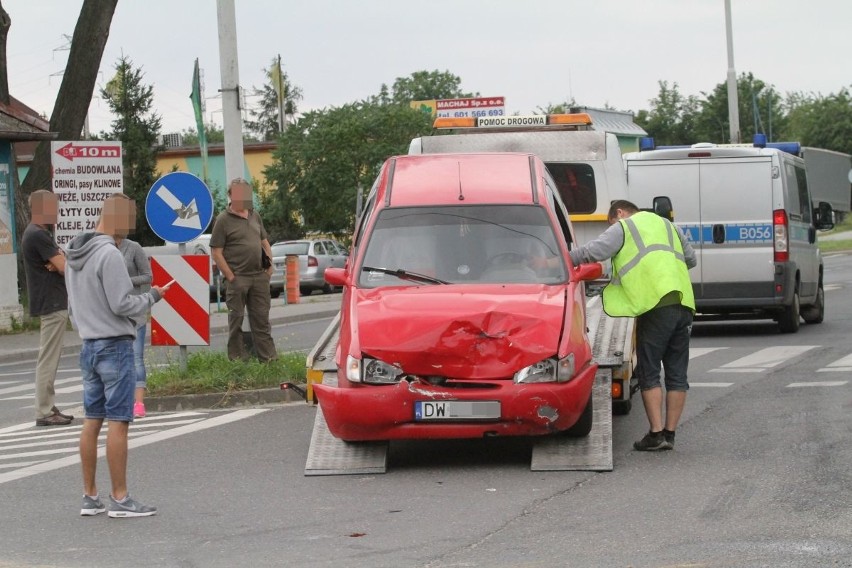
(547, 371)
(372, 371)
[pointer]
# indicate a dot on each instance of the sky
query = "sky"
(532, 52)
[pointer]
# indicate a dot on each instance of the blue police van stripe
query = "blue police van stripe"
(735, 233)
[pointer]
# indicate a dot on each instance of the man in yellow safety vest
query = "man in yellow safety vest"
(650, 281)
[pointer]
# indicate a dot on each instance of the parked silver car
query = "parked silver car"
(314, 257)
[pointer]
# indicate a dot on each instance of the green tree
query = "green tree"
(215, 135)
(75, 95)
(822, 121)
(423, 86)
(265, 119)
(558, 108)
(760, 110)
(671, 118)
(324, 158)
(138, 127)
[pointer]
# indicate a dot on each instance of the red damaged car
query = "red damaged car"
(461, 314)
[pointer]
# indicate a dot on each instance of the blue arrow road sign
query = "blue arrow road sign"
(179, 207)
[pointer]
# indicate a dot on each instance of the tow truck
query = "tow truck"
(588, 170)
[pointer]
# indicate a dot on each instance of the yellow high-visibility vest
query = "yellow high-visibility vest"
(649, 265)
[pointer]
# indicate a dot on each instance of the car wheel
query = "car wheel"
(788, 322)
(304, 291)
(327, 289)
(275, 293)
(584, 424)
(816, 313)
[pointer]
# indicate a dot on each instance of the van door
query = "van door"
(679, 180)
(737, 258)
(804, 252)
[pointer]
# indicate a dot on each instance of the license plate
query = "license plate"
(456, 410)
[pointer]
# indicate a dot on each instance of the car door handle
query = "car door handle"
(718, 233)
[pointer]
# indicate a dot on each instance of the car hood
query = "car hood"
(457, 332)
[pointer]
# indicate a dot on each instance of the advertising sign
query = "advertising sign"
(84, 174)
(476, 107)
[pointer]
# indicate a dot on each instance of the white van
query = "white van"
(748, 213)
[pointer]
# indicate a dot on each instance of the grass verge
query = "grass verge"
(214, 373)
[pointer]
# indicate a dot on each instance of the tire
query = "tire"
(815, 313)
(305, 291)
(275, 293)
(583, 425)
(621, 407)
(788, 322)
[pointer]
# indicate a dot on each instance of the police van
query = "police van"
(748, 212)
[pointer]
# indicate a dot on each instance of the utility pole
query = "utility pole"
(229, 69)
(232, 118)
(733, 99)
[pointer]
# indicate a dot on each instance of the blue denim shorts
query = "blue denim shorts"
(109, 378)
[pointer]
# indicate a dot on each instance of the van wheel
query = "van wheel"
(789, 320)
(583, 426)
(816, 313)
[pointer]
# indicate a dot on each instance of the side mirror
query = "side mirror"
(335, 276)
(663, 207)
(824, 216)
(588, 271)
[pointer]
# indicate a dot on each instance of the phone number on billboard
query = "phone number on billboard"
(469, 113)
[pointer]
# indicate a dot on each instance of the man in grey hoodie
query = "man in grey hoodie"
(102, 305)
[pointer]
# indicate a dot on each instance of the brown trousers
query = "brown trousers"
(250, 294)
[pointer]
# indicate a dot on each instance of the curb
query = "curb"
(220, 400)
(32, 353)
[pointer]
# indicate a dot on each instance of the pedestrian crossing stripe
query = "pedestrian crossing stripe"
(841, 365)
(764, 359)
(193, 422)
(818, 384)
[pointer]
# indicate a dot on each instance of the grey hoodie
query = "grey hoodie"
(100, 293)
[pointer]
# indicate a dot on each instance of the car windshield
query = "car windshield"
(283, 249)
(463, 244)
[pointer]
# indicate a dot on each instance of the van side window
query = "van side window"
(791, 195)
(797, 202)
(804, 201)
(576, 186)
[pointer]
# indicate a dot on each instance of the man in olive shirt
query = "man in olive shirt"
(237, 244)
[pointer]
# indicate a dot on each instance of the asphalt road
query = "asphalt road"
(760, 477)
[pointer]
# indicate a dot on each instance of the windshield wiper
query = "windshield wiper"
(405, 275)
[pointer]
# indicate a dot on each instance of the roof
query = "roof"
(615, 121)
(20, 122)
(460, 179)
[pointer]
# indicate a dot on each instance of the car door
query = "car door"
(338, 253)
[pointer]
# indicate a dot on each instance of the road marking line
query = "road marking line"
(19, 464)
(720, 385)
(31, 386)
(699, 351)
(767, 358)
(818, 384)
(841, 365)
(143, 441)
